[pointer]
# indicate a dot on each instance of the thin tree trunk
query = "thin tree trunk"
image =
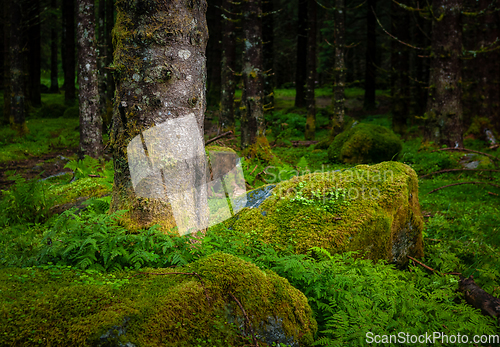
(3, 72)
(68, 10)
(400, 61)
(252, 118)
(6, 53)
(34, 52)
(340, 68)
(421, 67)
(268, 38)
(371, 54)
(101, 55)
(228, 83)
(90, 117)
(54, 50)
(158, 114)
(110, 22)
(444, 107)
(310, 131)
(214, 53)
(301, 67)
(17, 100)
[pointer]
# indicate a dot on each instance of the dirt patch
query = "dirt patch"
(36, 167)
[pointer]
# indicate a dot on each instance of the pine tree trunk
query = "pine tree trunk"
(34, 52)
(17, 100)
(268, 38)
(214, 53)
(252, 118)
(6, 53)
(400, 61)
(68, 52)
(310, 131)
(101, 56)
(54, 78)
(444, 106)
(90, 117)
(340, 68)
(110, 83)
(301, 67)
(371, 54)
(160, 77)
(228, 66)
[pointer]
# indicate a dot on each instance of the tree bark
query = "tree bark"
(54, 78)
(110, 22)
(6, 53)
(101, 55)
(444, 106)
(214, 53)
(252, 118)
(340, 68)
(400, 61)
(228, 66)
(68, 51)
(301, 67)
(90, 117)
(17, 100)
(34, 52)
(310, 131)
(160, 76)
(268, 38)
(480, 299)
(371, 54)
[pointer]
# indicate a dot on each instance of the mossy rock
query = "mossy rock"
(364, 143)
(68, 307)
(72, 112)
(373, 210)
(51, 111)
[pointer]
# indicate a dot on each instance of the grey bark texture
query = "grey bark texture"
(252, 118)
(444, 114)
(340, 68)
(160, 76)
(90, 116)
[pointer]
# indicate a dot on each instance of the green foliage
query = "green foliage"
(24, 202)
(72, 112)
(423, 159)
(91, 166)
(365, 143)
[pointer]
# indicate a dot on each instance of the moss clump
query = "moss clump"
(363, 144)
(67, 307)
(370, 209)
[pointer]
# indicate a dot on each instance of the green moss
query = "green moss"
(63, 306)
(364, 143)
(371, 209)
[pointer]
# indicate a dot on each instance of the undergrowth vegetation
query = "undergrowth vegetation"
(349, 296)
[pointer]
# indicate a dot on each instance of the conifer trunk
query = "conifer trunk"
(301, 67)
(6, 68)
(228, 66)
(54, 80)
(310, 131)
(110, 22)
(340, 68)
(68, 51)
(160, 76)
(17, 100)
(444, 107)
(252, 118)
(34, 51)
(371, 52)
(90, 117)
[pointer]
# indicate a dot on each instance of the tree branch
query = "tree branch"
(460, 183)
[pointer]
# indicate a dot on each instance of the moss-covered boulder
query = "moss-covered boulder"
(157, 307)
(364, 143)
(370, 209)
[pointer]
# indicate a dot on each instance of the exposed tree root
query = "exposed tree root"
(247, 321)
(477, 297)
(218, 137)
(456, 170)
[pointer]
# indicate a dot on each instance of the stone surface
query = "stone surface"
(364, 143)
(154, 307)
(370, 209)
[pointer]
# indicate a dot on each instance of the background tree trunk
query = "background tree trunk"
(34, 51)
(54, 49)
(340, 69)
(228, 66)
(160, 80)
(301, 67)
(90, 117)
(68, 52)
(252, 118)
(444, 107)
(400, 61)
(17, 100)
(268, 38)
(310, 131)
(214, 53)
(6, 68)
(101, 55)
(371, 56)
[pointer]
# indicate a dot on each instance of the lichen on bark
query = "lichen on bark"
(160, 74)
